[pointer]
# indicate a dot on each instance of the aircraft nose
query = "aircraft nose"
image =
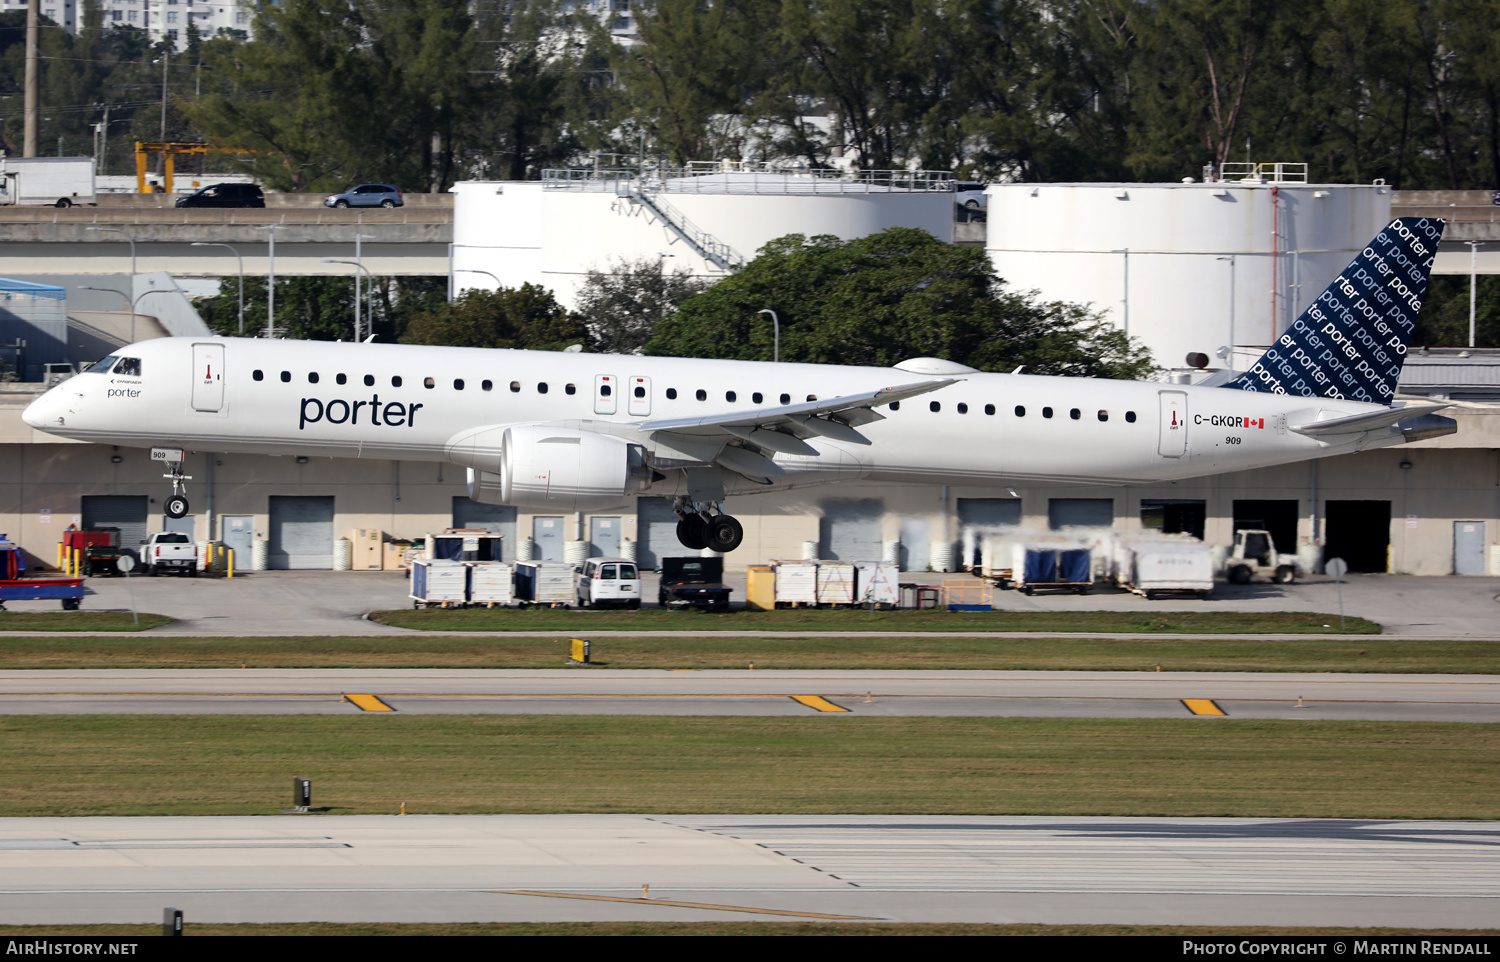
(43, 413)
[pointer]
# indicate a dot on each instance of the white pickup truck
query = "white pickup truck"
(170, 551)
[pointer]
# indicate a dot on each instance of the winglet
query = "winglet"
(1351, 341)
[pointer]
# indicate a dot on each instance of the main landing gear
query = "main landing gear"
(705, 525)
(177, 504)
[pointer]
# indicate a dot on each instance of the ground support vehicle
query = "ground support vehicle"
(693, 583)
(438, 583)
(544, 583)
(877, 585)
(170, 551)
(609, 582)
(1254, 553)
(1152, 569)
(95, 552)
(13, 587)
(1047, 566)
(490, 583)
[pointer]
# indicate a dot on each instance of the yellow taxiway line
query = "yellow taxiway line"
(684, 905)
(817, 702)
(1203, 706)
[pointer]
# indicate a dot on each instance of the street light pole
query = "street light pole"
(242, 278)
(134, 303)
(465, 270)
(271, 279)
(776, 323)
(359, 261)
(1473, 283)
(358, 267)
(116, 230)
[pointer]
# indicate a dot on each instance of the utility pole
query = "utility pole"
(33, 11)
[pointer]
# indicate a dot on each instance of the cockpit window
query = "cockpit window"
(129, 366)
(103, 366)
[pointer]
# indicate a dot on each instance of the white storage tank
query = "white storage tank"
(1186, 267)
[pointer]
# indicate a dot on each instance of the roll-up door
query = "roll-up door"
(496, 518)
(1080, 513)
(656, 527)
(850, 530)
(126, 512)
(301, 533)
(980, 516)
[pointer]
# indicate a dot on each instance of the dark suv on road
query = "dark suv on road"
(226, 195)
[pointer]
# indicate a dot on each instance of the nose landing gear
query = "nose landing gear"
(705, 525)
(177, 504)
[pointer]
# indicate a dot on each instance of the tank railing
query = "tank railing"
(1262, 172)
(733, 177)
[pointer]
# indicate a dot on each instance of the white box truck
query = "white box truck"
(46, 181)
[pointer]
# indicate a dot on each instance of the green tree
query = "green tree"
(622, 307)
(525, 317)
(882, 299)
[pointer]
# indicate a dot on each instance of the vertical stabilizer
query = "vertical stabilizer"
(1351, 341)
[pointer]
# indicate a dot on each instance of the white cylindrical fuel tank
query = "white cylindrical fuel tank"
(341, 553)
(942, 556)
(259, 549)
(1186, 268)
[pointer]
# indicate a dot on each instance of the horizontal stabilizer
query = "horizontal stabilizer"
(1358, 423)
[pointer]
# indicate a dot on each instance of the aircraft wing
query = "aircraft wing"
(786, 427)
(1356, 423)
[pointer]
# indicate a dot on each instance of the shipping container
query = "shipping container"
(544, 583)
(438, 583)
(491, 583)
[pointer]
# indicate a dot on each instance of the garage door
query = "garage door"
(301, 533)
(656, 526)
(496, 518)
(127, 512)
(978, 516)
(1080, 513)
(850, 530)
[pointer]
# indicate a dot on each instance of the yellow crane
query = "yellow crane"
(143, 152)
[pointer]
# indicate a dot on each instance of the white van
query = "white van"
(609, 581)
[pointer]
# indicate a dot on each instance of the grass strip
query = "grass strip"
(1170, 653)
(473, 764)
(79, 621)
(191, 928)
(856, 620)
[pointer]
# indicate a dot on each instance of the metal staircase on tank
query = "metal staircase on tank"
(706, 245)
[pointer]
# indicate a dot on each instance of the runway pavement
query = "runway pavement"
(332, 603)
(1168, 871)
(583, 691)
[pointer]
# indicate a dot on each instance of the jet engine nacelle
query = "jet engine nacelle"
(557, 469)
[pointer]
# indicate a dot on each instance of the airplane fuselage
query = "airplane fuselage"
(385, 401)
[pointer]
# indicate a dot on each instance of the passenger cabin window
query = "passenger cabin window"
(702, 395)
(786, 399)
(396, 381)
(541, 388)
(757, 397)
(1046, 412)
(103, 365)
(963, 408)
(730, 396)
(1075, 414)
(342, 378)
(671, 394)
(259, 375)
(895, 405)
(369, 380)
(429, 383)
(605, 390)
(639, 391)
(571, 389)
(1104, 415)
(286, 377)
(486, 385)
(312, 377)
(1020, 410)
(515, 387)
(989, 409)
(1130, 417)
(458, 384)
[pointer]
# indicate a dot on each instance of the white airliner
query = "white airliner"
(563, 432)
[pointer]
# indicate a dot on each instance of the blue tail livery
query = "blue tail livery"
(1351, 341)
